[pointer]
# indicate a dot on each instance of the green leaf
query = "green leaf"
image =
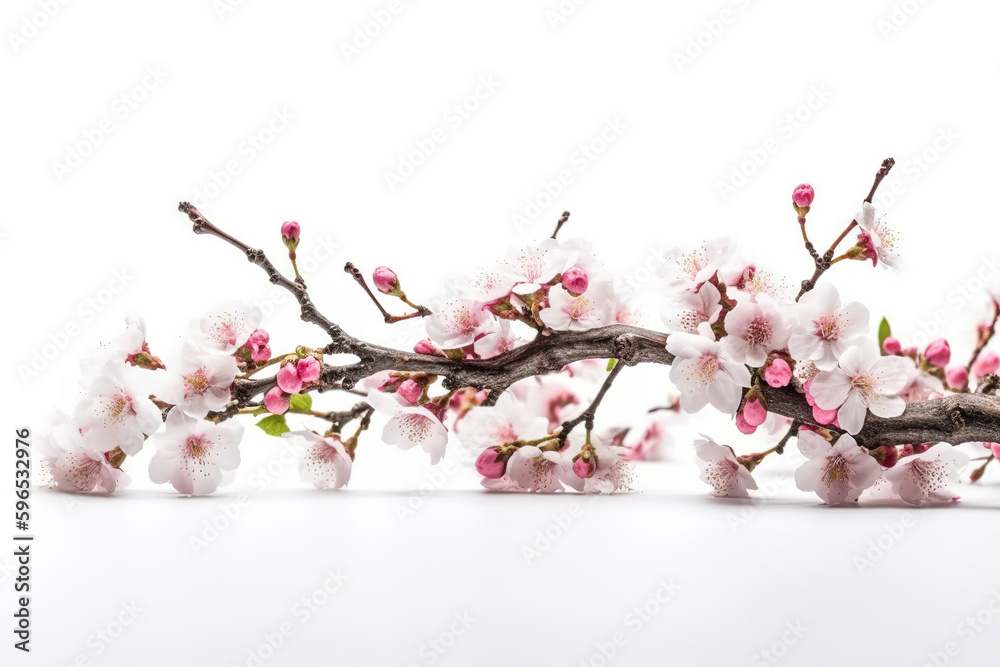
(884, 331)
(611, 364)
(274, 425)
(300, 402)
(262, 410)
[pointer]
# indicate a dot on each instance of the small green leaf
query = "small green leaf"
(300, 403)
(611, 364)
(884, 331)
(274, 425)
(262, 410)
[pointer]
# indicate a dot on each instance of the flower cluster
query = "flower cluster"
(736, 338)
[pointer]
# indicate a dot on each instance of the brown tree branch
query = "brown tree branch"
(956, 418)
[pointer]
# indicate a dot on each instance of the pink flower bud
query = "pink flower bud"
(938, 353)
(410, 390)
(585, 465)
(754, 412)
(886, 455)
(803, 195)
(260, 354)
(743, 426)
(987, 363)
(892, 345)
(956, 376)
(290, 234)
(575, 280)
(995, 448)
(427, 347)
(778, 374)
(491, 464)
(308, 369)
(825, 416)
(276, 401)
(259, 337)
(385, 280)
(288, 379)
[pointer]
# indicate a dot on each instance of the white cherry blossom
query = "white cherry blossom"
(926, 477)
(838, 473)
(721, 470)
(823, 329)
(192, 454)
(864, 381)
(707, 371)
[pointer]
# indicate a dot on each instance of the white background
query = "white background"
(816, 92)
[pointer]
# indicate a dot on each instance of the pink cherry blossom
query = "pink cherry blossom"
(192, 454)
(692, 308)
(116, 410)
(689, 269)
(721, 470)
(706, 371)
(926, 477)
(409, 425)
(538, 471)
(756, 330)
(457, 323)
(75, 467)
(509, 421)
(569, 313)
(823, 329)
(198, 382)
(534, 266)
(326, 462)
(228, 329)
(879, 239)
(864, 381)
(494, 343)
(838, 473)
(606, 471)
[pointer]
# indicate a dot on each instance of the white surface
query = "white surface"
(67, 243)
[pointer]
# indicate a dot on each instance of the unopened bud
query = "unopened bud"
(385, 280)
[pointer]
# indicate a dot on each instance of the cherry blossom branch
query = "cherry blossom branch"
(421, 311)
(955, 419)
(341, 342)
(985, 336)
(590, 413)
(560, 222)
(824, 263)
